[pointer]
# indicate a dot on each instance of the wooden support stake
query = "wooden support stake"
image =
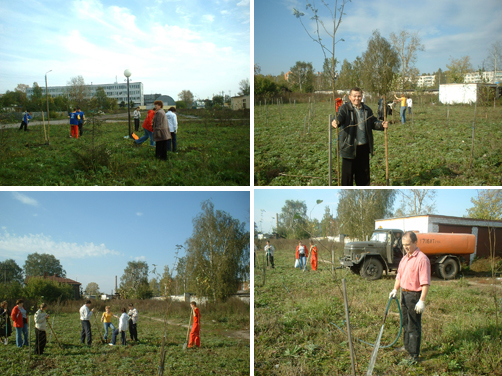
(473, 130)
(330, 152)
(386, 145)
(347, 320)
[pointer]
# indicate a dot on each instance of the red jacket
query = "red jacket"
(17, 317)
(298, 252)
(147, 124)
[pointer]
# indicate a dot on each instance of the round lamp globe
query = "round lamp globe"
(127, 73)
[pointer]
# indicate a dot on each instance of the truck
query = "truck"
(384, 251)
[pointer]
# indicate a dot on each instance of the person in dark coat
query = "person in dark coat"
(160, 131)
(5, 324)
(356, 122)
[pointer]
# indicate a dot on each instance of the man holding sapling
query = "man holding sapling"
(414, 278)
(269, 253)
(356, 122)
(85, 319)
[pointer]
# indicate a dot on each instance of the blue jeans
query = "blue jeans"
(145, 137)
(20, 332)
(174, 143)
(403, 114)
(303, 262)
(108, 325)
(122, 337)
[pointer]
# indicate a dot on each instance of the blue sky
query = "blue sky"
(95, 234)
(446, 28)
(452, 202)
(169, 45)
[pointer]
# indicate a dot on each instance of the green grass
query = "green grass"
(294, 334)
(210, 152)
(434, 152)
(221, 352)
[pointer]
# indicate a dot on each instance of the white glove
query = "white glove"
(393, 294)
(419, 308)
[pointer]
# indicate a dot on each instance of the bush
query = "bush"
(50, 291)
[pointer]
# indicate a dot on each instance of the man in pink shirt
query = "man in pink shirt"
(414, 277)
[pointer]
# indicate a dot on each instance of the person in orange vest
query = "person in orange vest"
(313, 255)
(195, 333)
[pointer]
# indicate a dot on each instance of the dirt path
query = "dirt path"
(239, 334)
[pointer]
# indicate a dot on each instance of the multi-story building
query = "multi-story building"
(115, 90)
(426, 81)
(480, 77)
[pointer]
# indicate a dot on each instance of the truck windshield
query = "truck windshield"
(379, 237)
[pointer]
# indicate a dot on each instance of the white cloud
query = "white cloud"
(13, 244)
(139, 214)
(25, 199)
(140, 258)
(208, 17)
(243, 3)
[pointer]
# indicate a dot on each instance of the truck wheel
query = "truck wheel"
(448, 269)
(372, 269)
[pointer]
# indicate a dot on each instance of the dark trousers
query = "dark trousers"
(122, 337)
(358, 167)
(133, 332)
(80, 125)
(161, 149)
(173, 142)
(136, 124)
(86, 332)
(271, 259)
(23, 124)
(412, 323)
(40, 341)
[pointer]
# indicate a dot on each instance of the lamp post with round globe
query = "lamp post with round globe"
(127, 73)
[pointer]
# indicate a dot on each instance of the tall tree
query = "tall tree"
(293, 220)
(166, 282)
(487, 205)
(380, 64)
(92, 289)
(21, 89)
(77, 91)
(328, 223)
(407, 46)
(10, 271)
(134, 278)
(38, 264)
(302, 76)
(100, 99)
(155, 287)
(244, 88)
(416, 202)
(217, 254)
(457, 69)
(358, 210)
(493, 62)
(187, 97)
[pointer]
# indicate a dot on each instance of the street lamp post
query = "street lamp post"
(127, 73)
(47, 100)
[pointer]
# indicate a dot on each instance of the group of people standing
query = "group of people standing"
(160, 127)
(77, 120)
(302, 255)
(127, 320)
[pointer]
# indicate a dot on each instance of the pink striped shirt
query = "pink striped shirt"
(414, 271)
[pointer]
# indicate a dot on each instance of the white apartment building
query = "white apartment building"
(426, 81)
(115, 90)
(488, 77)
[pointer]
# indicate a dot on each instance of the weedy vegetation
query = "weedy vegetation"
(295, 313)
(434, 148)
(222, 351)
(213, 149)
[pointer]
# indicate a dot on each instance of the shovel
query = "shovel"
(185, 345)
(99, 329)
(377, 343)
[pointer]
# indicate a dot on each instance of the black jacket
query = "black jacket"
(347, 119)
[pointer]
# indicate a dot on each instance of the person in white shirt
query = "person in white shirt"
(40, 329)
(269, 253)
(409, 104)
(85, 317)
(136, 115)
(133, 320)
(122, 329)
(172, 120)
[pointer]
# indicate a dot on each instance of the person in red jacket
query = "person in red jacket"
(18, 316)
(195, 333)
(313, 255)
(302, 253)
(147, 125)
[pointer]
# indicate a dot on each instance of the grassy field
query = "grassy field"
(432, 151)
(294, 334)
(211, 152)
(222, 351)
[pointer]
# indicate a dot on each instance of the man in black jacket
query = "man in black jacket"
(356, 122)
